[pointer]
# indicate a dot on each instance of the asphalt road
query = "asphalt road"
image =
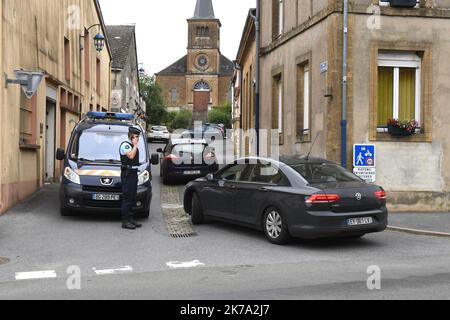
(222, 262)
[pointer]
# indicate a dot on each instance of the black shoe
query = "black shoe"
(128, 225)
(136, 224)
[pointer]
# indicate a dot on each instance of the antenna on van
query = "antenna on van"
(312, 146)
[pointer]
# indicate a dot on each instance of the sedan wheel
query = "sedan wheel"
(197, 210)
(275, 227)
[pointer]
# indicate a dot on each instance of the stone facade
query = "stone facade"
(308, 47)
(125, 75)
(45, 35)
(203, 64)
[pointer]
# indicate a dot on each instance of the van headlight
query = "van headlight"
(70, 175)
(143, 178)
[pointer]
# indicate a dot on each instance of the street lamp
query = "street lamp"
(141, 70)
(99, 39)
(28, 80)
(99, 42)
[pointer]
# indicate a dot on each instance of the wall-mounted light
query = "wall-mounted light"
(99, 39)
(28, 80)
(99, 42)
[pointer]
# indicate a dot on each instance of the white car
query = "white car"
(158, 133)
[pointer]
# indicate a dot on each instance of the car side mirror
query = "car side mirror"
(155, 159)
(210, 177)
(60, 154)
(160, 150)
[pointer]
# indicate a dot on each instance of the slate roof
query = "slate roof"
(180, 67)
(121, 39)
(204, 10)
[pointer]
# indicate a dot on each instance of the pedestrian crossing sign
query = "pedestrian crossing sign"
(364, 156)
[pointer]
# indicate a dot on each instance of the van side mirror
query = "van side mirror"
(60, 154)
(155, 159)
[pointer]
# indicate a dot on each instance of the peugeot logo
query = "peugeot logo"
(358, 196)
(106, 181)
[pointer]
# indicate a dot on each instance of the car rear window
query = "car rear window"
(194, 149)
(324, 172)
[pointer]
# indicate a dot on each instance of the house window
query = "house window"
(27, 119)
(277, 106)
(399, 88)
(173, 96)
(67, 59)
(277, 17)
(303, 101)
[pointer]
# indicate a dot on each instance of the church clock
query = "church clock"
(202, 62)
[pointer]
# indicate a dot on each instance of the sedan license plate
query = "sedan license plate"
(360, 221)
(196, 172)
(106, 197)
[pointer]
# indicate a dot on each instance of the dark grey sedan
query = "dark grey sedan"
(298, 197)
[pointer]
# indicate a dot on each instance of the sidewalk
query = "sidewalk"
(437, 224)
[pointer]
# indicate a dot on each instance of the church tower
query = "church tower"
(204, 40)
(201, 79)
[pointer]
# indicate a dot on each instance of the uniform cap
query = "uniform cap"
(135, 131)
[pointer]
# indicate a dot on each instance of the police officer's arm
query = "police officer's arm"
(132, 154)
(127, 150)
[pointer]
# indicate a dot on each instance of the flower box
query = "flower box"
(397, 131)
(402, 128)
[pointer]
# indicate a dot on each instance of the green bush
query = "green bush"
(180, 120)
(221, 115)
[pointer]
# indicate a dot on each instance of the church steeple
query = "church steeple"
(204, 10)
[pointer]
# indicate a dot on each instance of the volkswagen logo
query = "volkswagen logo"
(358, 196)
(106, 181)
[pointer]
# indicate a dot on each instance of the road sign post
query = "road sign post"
(364, 162)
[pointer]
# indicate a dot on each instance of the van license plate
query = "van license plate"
(360, 221)
(106, 197)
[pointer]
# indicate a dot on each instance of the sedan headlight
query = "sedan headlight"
(70, 175)
(143, 178)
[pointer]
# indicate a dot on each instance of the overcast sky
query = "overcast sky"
(162, 28)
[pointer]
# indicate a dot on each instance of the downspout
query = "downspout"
(258, 70)
(344, 89)
(241, 100)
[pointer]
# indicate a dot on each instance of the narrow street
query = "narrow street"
(226, 262)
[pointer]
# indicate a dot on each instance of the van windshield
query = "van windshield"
(102, 146)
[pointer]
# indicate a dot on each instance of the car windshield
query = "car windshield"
(324, 172)
(159, 128)
(102, 146)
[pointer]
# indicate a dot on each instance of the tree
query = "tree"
(156, 111)
(221, 115)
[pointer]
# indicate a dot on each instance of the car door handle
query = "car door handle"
(263, 189)
(232, 187)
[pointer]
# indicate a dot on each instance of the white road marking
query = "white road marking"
(50, 274)
(184, 265)
(112, 271)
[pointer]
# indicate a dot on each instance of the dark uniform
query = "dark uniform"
(129, 176)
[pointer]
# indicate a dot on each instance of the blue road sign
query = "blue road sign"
(364, 156)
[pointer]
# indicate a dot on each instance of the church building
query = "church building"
(202, 78)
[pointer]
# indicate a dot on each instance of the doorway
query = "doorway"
(50, 141)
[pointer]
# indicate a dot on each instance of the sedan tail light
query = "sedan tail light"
(172, 157)
(322, 198)
(381, 195)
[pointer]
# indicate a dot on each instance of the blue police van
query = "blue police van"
(91, 174)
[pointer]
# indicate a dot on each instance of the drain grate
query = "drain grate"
(3, 260)
(178, 222)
